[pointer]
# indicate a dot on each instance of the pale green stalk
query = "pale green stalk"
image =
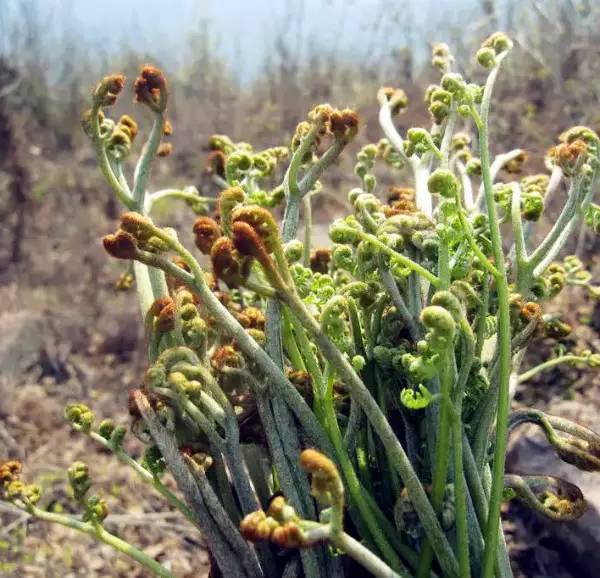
(504, 334)
(387, 124)
(482, 314)
(104, 162)
(447, 138)
(442, 456)
(468, 232)
(366, 558)
(189, 195)
(308, 226)
(584, 200)
(392, 288)
(99, 533)
(466, 186)
(395, 256)
(145, 475)
(499, 162)
(344, 542)
(144, 165)
(117, 165)
(519, 237)
(458, 437)
(480, 503)
(444, 263)
(569, 358)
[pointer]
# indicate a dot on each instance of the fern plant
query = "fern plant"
(325, 409)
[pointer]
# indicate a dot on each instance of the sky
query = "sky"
(245, 31)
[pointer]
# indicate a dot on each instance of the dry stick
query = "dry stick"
(233, 559)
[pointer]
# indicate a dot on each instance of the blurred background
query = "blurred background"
(250, 70)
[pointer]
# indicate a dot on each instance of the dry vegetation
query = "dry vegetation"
(54, 208)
